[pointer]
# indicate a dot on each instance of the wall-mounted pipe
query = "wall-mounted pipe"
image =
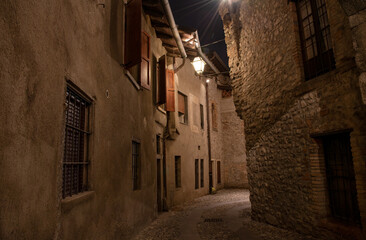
(173, 27)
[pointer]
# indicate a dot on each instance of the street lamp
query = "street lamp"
(198, 64)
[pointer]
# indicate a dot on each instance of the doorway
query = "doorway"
(341, 178)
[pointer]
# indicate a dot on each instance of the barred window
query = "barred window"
(75, 162)
(178, 180)
(218, 172)
(196, 174)
(316, 41)
(136, 165)
(202, 174)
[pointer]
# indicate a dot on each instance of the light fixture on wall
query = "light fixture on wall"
(199, 65)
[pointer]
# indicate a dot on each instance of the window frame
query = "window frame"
(202, 116)
(323, 60)
(185, 114)
(218, 168)
(83, 151)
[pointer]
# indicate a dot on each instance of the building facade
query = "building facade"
(297, 84)
(100, 127)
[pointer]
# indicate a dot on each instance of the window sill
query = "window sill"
(161, 109)
(183, 123)
(70, 202)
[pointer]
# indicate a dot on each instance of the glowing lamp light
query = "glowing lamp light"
(198, 64)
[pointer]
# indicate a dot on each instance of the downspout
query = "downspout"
(210, 177)
(174, 29)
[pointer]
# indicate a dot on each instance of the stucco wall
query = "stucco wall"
(43, 43)
(191, 143)
(281, 110)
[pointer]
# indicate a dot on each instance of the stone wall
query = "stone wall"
(281, 111)
(233, 145)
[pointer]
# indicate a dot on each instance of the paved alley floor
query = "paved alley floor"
(225, 215)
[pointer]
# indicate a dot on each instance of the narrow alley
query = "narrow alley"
(225, 215)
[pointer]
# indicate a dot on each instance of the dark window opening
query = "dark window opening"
(158, 144)
(214, 116)
(341, 178)
(178, 182)
(136, 165)
(202, 117)
(182, 108)
(218, 172)
(196, 174)
(75, 162)
(202, 173)
(315, 36)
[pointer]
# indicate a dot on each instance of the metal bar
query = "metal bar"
(78, 129)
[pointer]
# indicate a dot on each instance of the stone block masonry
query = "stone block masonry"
(282, 112)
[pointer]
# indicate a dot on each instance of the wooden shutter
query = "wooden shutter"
(181, 103)
(161, 87)
(132, 49)
(170, 90)
(145, 60)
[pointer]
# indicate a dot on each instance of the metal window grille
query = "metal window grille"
(158, 146)
(201, 174)
(75, 162)
(196, 174)
(316, 41)
(202, 116)
(136, 166)
(178, 182)
(341, 178)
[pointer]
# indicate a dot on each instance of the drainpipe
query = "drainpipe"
(210, 177)
(174, 29)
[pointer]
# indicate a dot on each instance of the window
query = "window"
(133, 34)
(75, 162)
(170, 91)
(158, 145)
(161, 82)
(315, 36)
(196, 174)
(145, 61)
(202, 174)
(214, 116)
(341, 178)
(182, 108)
(218, 172)
(202, 117)
(137, 45)
(178, 182)
(136, 165)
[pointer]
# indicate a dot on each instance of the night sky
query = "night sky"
(202, 15)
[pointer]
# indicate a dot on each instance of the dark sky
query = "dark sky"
(202, 15)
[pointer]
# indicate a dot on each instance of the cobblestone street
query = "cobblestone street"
(225, 215)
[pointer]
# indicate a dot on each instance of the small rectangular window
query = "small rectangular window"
(214, 116)
(218, 172)
(202, 117)
(75, 162)
(178, 182)
(196, 174)
(136, 165)
(182, 108)
(202, 174)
